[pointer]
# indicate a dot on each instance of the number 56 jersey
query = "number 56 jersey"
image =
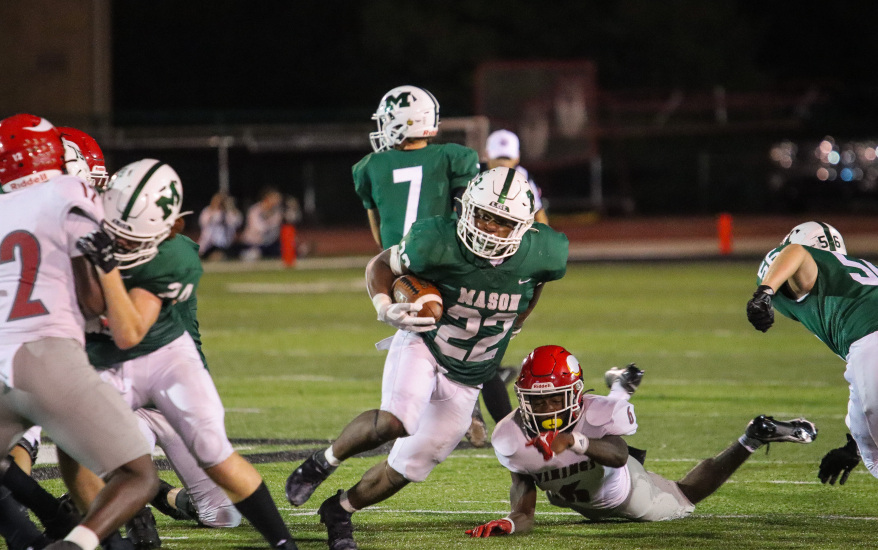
(39, 227)
(481, 301)
(841, 308)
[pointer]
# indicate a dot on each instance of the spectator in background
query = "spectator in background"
(261, 236)
(503, 150)
(219, 223)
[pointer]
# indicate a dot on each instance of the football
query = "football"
(411, 289)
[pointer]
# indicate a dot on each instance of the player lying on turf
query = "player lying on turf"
(569, 445)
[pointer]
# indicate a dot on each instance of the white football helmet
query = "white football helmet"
(404, 112)
(141, 204)
(816, 235)
(500, 193)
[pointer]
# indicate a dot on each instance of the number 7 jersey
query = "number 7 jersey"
(39, 227)
(481, 301)
(842, 306)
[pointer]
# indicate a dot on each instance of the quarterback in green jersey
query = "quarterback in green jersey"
(490, 267)
(811, 279)
(149, 353)
(407, 178)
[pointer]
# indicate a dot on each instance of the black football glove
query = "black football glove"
(839, 461)
(99, 248)
(759, 310)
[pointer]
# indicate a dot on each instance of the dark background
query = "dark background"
(233, 62)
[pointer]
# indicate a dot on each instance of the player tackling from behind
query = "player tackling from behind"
(490, 267)
(44, 372)
(569, 444)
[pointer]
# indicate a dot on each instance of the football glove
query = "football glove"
(99, 248)
(401, 315)
(497, 527)
(840, 461)
(759, 310)
(543, 444)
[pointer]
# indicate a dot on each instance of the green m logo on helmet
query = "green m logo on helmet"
(167, 203)
(397, 101)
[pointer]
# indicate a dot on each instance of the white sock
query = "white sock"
(618, 392)
(330, 458)
(749, 443)
(84, 537)
(345, 503)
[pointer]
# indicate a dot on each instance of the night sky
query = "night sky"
(285, 61)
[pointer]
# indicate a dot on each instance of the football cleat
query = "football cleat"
(160, 503)
(307, 477)
(141, 530)
(477, 434)
(629, 377)
(768, 430)
(66, 518)
(287, 545)
(339, 526)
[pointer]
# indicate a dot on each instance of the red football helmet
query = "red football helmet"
(549, 371)
(30, 152)
(83, 157)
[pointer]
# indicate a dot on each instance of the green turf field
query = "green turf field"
(293, 361)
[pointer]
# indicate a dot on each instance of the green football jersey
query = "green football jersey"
(173, 276)
(481, 301)
(405, 186)
(841, 307)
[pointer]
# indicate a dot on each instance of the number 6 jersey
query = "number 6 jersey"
(39, 227)
(848, 291)
(481, 300)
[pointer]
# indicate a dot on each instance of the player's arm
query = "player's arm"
(130, 314)
(375, 225)
(381, 271)
(89, 293)
(523, 497)
(541, 216)
(794, 272)
(522, 317)
(794, 267)
(609, 450)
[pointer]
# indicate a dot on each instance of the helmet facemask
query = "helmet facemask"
(404, 112)
(559, 420)
(503, 194)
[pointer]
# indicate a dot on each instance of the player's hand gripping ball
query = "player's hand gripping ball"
(409, 289)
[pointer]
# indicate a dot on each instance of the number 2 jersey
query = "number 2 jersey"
(481, 301)
(405, 186)
(39, 227)
(173, 276)
(576, 480)
(842, 306)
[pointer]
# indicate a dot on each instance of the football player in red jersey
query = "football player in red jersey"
(48, 380)
(569, 443)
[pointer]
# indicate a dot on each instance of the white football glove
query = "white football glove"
(401, 316)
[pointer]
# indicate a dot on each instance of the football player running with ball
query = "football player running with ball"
(811, 279)
(569, 444)
(490, 267)
(151, 352)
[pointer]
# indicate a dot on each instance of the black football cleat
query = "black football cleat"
(66, 518)
(307, 477)
(339, 527)
(141, 530)
(629, 377)
(768, 430)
